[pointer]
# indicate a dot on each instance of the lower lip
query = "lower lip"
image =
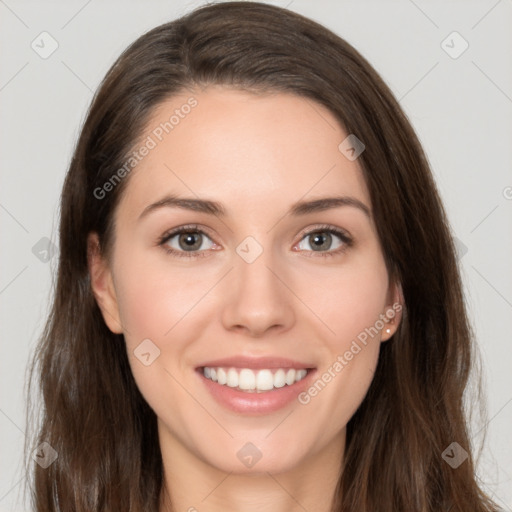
(256, 403)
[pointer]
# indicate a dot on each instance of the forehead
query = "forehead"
(243, 149)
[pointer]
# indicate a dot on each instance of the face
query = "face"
(267, 282)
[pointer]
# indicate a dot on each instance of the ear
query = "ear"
(102, 284)
(392, 315)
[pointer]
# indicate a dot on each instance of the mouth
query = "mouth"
(255, 386)
(251, 380)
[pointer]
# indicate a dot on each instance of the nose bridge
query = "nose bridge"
(257, 297)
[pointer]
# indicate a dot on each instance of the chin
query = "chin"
(251, 458)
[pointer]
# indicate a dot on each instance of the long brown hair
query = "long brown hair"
(93, 414)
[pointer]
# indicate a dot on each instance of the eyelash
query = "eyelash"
(194, 228)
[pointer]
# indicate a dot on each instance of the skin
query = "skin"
(257, 155)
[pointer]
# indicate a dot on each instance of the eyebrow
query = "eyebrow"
(214, 208)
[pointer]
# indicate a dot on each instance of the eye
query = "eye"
(321, 240)
(186, 242)
(192, 242)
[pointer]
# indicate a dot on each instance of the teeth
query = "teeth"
(232, 378)
(221, 376)
(264, 380)
(246, 379)
(279, 379)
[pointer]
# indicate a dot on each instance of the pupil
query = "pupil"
(326, 237)
(188, 240)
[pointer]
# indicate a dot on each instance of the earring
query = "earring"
(388, 331)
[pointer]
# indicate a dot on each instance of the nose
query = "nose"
(258, 297)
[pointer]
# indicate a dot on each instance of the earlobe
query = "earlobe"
(393, 311)
(102, 284)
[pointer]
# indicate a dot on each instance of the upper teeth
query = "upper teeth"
(246, 379)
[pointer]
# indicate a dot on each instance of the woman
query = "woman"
(258, 305)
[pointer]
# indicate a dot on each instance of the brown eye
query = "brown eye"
(186, 242)
(326, 241)
(190, 241)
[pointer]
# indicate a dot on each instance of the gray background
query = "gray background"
(460, 107)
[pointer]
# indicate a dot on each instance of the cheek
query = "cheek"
(153, 301)
(165, 304)
(154, 296)
(351, 305)
(349, 301)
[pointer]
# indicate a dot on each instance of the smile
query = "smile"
(254, 381)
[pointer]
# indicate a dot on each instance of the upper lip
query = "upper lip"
(256, 363)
